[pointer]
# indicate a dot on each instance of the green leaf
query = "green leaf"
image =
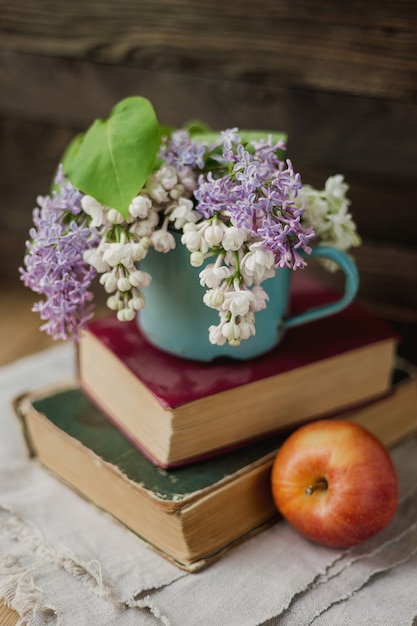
(246, 136)
(114, 158)
(71, 151)
(196, 127)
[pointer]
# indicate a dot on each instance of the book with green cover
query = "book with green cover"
(191, 514)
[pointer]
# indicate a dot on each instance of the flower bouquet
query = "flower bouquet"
(128, 185)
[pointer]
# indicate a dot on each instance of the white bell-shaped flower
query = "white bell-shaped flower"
(115, 302)
(183, 213)
(213, 234)
(109, 281)
(231, 331)
(156, 191)
(234, 238)
(126, 315)
(216, 336)
(123, 284)
(191, 238)
(197, 258)
(139, 279)
(94, 257)
(258, 264)
(136, 303)
(162, 240)
(238, 302)
(115, 217)
(167, 176)
(140, 207)
(213, 298)
(261, 298)
(247, 329)
(96, 211)
(177, 192)
(139, 249)
(118, 253)
(212, 276)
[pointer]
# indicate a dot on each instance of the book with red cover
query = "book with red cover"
(177, 410)
(169, 509)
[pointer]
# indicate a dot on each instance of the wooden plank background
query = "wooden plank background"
(340, 78)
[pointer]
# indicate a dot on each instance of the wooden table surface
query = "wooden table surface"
(19, 326)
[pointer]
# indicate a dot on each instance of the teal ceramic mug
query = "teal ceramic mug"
(176, 320)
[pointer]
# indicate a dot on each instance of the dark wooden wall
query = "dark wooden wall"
(340, 77)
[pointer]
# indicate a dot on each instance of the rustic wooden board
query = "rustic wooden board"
(349, 132)
(358, 47)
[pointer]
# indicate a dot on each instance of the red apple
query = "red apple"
(335, 483)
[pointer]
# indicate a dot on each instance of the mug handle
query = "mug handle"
(347, 265)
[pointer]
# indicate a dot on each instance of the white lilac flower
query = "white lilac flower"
(231, 331)
(197, 258)
(126, 314)
(109, 281)
(213, 274)
(247, 328)
(139, 279)
(234, 238)
(118, 254)
(115, 302)
(162, 240)
(97, 211)
(216, 336)
(336, 187)
(238, 302)
(315, 210)
(140, 207)
(115, 217)
(156, 190)
(139, 249)
(161, 183)
(94, 257)
(145, 227)
(327, 211)
(167, 176)
(214, 233)
(177, 192)
(261, 298)
(182, 213)
(257, 264)
(192, 238)
(123, 284)
(214, 298)
(188, 179)
(137, 302)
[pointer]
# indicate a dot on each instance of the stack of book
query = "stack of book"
(180, 452)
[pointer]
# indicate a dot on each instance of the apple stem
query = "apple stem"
(320, 484)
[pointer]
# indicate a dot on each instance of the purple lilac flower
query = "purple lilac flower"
(213, 195)
(259, 195)
(54, 265)
(180, 151)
